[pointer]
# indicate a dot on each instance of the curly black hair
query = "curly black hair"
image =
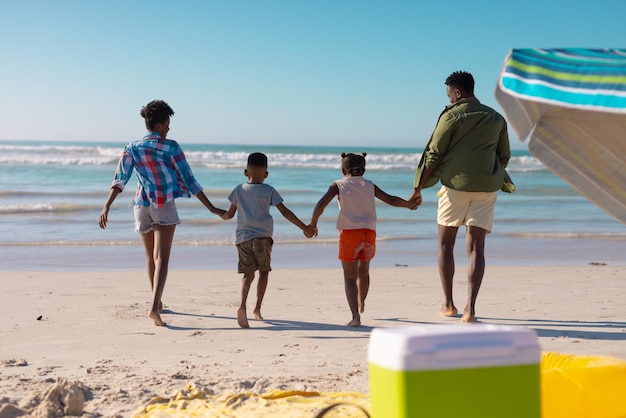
(353, 163)
(461, 80)
(157, 111)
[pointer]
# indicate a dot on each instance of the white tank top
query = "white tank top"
(357, 209)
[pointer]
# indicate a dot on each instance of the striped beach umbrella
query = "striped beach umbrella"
(571, 104)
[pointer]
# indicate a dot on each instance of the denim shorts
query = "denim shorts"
(147, 216)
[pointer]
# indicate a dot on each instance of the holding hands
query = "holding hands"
(312, 228)
(310, 231)
(413, 204)
(416, 197)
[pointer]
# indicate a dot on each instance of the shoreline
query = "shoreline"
(94, 327)
(410, 253)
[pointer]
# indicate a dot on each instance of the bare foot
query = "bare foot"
(157, 319)
(448, 310)
(469, 317)
(356, 322)
(257, 315)
(242, 320)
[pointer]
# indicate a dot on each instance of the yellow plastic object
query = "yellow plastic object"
(194, 402)
(572, 386)
(582, 386)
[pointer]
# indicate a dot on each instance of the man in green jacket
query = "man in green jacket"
(468, 153)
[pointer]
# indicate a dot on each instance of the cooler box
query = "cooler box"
(469, 371)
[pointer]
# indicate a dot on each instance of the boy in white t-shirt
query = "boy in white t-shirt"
(255, 227)
(357, 227)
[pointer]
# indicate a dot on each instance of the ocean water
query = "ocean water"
(51, 194)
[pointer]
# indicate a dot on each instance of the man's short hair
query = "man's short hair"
(157, 111)
(257, 159)
(461, 80)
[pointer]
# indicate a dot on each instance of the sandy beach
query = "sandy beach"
(92, 328)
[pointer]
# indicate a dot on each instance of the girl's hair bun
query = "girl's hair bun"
(353, 163)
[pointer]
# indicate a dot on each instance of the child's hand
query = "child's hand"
(216, 211)
(416, 197)
(413, 204)
(310, 231)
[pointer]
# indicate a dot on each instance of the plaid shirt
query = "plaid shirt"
(162, 171)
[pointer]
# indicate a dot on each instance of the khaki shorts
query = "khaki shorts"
(255, 254)
(147, 216)
(458, 208)
(357, 244)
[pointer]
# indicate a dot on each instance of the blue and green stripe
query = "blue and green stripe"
(584, 78)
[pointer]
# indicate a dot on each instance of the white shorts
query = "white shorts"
(458, 208)
(147, 216)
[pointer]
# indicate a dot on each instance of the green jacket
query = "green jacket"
(469, 149)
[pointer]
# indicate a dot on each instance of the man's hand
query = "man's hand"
(416, 197)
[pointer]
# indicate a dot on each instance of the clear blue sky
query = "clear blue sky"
(327, 72)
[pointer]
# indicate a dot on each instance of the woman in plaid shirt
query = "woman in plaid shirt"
(164, 175)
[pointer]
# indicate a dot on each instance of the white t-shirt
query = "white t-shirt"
(357, 206)
(253, 201)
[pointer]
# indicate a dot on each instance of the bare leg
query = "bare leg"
(260, 293)
(475, 243)
(246, 281)
(163, 237)
(148, 244)
(352, 292)
(363, 283)
(447, 239)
